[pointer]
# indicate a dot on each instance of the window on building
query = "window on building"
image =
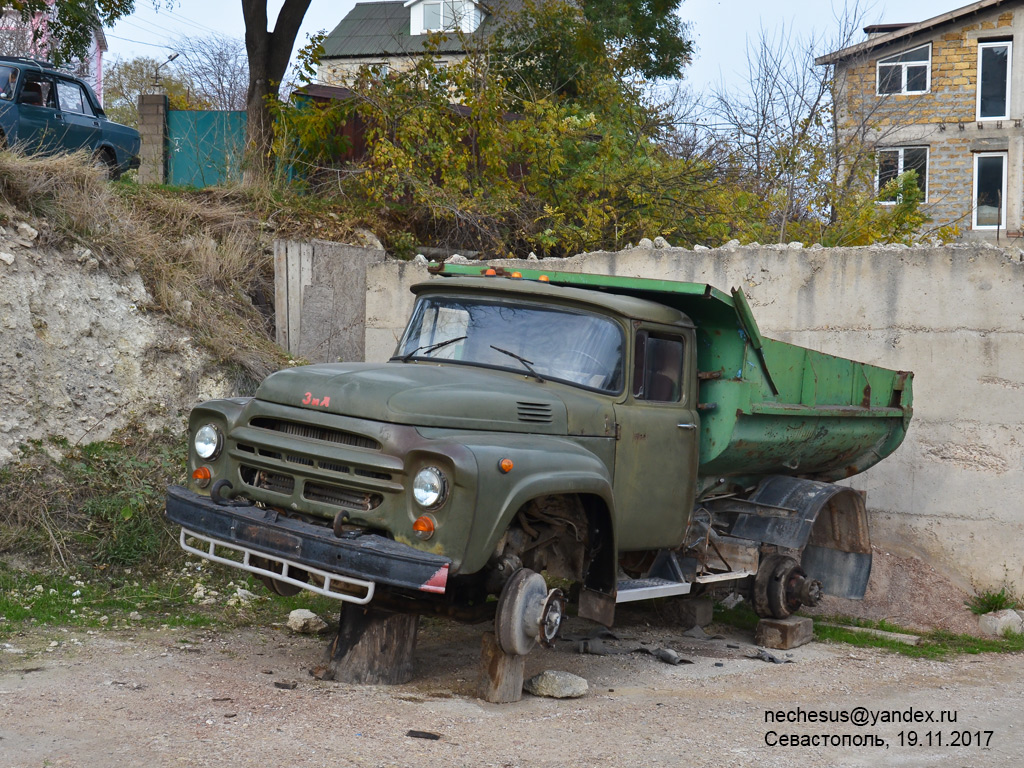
(897, 160)
(432, 19)
(989, 190)
(442, 15)
(994, 80)
(907, 72)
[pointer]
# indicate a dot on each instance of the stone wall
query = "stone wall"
(82, 355)
(954, 315)
(153, 132)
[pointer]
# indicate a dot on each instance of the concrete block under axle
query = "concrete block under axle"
(784, 634)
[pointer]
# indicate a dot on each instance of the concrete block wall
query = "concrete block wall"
(952, 493)
(153, 131)
(319, 302)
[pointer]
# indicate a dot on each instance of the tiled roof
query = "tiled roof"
(906, 30)
(382, 29)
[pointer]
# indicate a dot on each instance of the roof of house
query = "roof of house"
(907, 30)
(382, 29)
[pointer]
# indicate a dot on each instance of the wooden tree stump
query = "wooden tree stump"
(372, 646)
(501, 674)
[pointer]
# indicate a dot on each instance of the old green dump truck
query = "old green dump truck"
(637, 438)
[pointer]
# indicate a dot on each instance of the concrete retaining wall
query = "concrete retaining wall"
(319, 303)
(954, 315)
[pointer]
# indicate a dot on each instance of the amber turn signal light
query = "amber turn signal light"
(490, 272)
(544, 279)
(202, 476)
(505, 465)
(423, 527)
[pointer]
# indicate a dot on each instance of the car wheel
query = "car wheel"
(104, 162)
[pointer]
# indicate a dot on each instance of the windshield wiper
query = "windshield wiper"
(528, 364)
(428, 348)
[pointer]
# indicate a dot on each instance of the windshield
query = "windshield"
(573, 347)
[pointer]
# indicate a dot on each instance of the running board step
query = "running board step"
(630, 590)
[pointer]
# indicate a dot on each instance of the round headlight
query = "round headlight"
(429, 487)
(207, 441)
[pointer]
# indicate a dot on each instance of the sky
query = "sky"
(722, 29)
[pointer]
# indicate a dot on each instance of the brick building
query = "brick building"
(945, 97)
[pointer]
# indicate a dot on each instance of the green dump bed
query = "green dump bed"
(766, 406)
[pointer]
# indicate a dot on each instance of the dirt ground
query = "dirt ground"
(197, 698)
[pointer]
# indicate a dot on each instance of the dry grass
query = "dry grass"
(205, 257)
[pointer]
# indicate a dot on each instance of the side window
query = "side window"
(73, 99)
(37, 91)
(8, 82)
(658, 367)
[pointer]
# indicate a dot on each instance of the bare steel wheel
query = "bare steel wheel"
(781, 587)
(527, 613)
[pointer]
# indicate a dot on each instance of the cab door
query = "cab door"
(657, 451)
(81, 125)
(40, 123)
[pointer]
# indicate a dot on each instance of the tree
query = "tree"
(457, 159)
(125, 81)
(70, 23)
(268, 52)
(564, 47)
(647, 36)
(16, 37)
(215, 67)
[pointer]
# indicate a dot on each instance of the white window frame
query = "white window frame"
(1002, 194)
(903, 72)
(440, 15)
(901, 169)
(1009, 71)
(455, 9)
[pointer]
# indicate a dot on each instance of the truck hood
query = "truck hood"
(431, 395)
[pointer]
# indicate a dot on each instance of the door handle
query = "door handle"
(687, 426)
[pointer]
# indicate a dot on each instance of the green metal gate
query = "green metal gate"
(204, 148)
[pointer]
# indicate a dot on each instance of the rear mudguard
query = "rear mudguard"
(827, 523)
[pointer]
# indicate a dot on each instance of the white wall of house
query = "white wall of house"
(953, 315)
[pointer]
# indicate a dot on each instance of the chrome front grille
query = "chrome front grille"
(329, 467)
(316, 432)
(346, 498)
(267, 481)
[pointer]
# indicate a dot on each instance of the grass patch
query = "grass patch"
(97, 505)
(195, 595)
(936, 644)
(991, 601)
